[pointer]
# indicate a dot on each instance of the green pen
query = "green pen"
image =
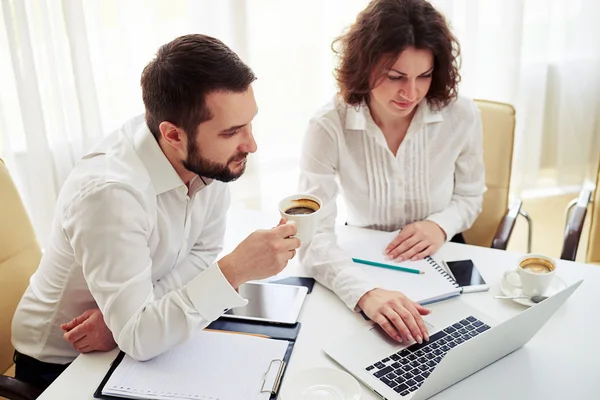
(388, 266)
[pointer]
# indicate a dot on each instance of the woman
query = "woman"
(406, 149)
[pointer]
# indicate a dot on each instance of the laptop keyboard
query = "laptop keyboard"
(406, 370)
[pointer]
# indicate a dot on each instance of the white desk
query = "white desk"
(561, 362)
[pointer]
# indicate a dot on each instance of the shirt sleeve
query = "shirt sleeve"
(469, 183)
(323, 258)
(108, 230)
(205, 250)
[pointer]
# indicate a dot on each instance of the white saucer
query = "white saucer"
(509, 290)
(321, 384)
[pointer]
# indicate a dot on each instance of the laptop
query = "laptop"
(462, 340)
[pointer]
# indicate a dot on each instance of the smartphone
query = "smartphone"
(467, 276)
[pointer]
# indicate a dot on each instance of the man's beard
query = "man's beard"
(206, 168)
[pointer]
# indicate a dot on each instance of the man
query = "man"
(140, 220)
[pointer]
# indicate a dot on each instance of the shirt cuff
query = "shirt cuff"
(351, 285)
(212, 295)
(447, 221)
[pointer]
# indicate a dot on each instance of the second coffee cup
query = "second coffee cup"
(535, 274)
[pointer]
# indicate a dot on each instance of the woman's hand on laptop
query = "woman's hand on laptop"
(416, 241)
(399, 316)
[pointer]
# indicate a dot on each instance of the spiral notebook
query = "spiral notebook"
(367, 244)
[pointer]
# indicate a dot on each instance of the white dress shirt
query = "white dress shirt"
(128, 237)
(437, 174)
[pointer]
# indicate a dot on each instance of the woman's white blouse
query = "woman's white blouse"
(437, 174)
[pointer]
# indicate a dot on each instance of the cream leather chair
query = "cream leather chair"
(19, 258)
(495, 224)
(589, 199)
(593, 248)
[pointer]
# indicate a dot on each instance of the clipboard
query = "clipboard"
(288, 333)
(281, 366)
(274, 332)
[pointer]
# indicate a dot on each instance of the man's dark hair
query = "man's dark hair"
(175, 84)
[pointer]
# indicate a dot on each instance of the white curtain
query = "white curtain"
(69, 74)
(542, 56)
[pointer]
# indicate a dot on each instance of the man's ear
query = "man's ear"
(173, 135)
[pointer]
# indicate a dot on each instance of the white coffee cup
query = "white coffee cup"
(534, 273)
(304, 210)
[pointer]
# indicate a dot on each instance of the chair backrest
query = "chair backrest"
(498, 123)
(19, 258)
(593, 247)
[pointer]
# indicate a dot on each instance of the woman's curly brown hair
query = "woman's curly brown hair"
(384, 29)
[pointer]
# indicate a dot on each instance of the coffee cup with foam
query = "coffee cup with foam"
(533, 275)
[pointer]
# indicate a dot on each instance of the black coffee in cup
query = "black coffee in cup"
(299, 210)
(302, 206)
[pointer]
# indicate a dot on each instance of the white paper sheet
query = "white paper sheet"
(368, 244)
(209, 366)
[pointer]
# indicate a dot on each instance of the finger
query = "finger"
(75, 334)
(86, 349)
(398, 323)
(409, 321)
(397, 253)
(419, 256)
(282, 221)
(419, 320)
(83, 342)
(400, 237)
(404, 234)
(75, 322)
(422, 310)
(291, 243)
(416, 249)
(67, 326)
(293, 254)
(387, 326)
(286, 230)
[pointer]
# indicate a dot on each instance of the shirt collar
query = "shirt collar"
(359, 117)
(162, 174)
(356, 117)
(430, 115)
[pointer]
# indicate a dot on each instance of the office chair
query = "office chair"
(496, 222)
(19, 258)
(587, 204)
